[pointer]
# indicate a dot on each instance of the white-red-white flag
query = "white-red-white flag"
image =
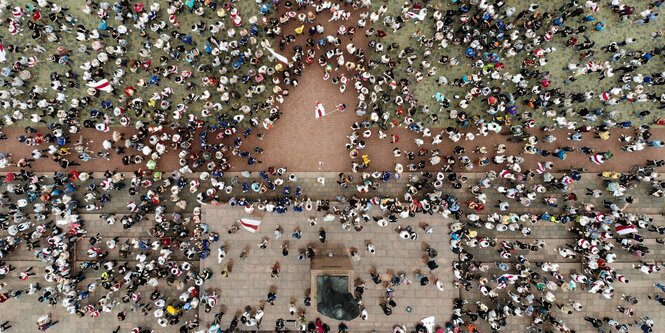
(278, 56)
(420, 15)
(103, 85)
(624, 230)
(250, 225)
(597, 159)
(3, 53)
(319, 111)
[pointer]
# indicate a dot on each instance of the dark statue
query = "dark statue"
(334, 299)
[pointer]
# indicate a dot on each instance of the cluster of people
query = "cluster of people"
(193, 92)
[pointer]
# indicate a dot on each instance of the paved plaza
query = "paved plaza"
(250, 278)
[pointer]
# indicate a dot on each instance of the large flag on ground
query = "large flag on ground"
(250, 225)
(103, 85)
(319, 111)
(278, 56)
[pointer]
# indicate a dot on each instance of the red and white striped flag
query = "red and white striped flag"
(597, 159)
(320, 111)
(103, 85)
(250, 225)
(624, 230)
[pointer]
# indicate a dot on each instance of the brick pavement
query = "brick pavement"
(322, 149)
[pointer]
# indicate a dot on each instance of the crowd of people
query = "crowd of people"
(190, 81)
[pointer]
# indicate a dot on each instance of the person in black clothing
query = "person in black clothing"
(234, 324)
(279, 324)
(5, 326)
(432, 265)
(322, 235)
(376, 277)
(387, 310)
(658, 299)
(597, 323)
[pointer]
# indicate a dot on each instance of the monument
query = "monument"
(331, 281)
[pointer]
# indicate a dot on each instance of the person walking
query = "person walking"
(5, 326)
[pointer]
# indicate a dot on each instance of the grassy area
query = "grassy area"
(616, 30)
(136, 46)
(256, 106)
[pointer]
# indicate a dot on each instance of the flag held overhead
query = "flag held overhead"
(102, 85)
(277, 56)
